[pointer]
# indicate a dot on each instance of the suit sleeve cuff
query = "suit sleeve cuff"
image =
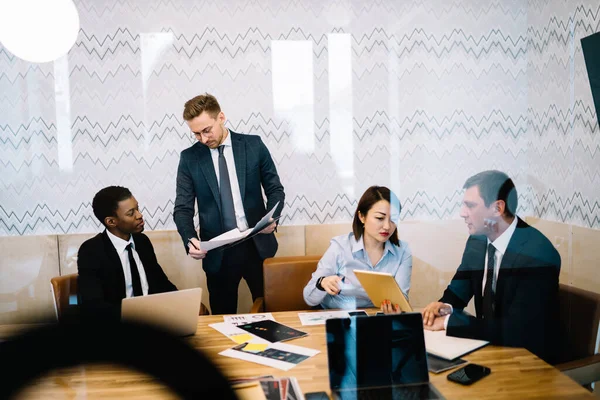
(446, 322)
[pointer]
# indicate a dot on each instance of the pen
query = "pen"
(192, 243)
(343, 280)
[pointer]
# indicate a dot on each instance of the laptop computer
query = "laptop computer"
(379, 357)
(176, 312)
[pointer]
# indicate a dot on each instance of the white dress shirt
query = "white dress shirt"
(240, 215)
(120, 246)
(501, 243)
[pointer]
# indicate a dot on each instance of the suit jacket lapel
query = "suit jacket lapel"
(515, 246)
(208, 169)
(513, 250)
(115, 261)
(239, 157)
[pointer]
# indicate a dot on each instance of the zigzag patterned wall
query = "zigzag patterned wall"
(562, 121)
(437, 91)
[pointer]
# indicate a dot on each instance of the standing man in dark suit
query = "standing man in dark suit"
(119, 262)
(225, 173)
(508, 266)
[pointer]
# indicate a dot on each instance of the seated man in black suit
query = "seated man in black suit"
(509, 267)
(119, 262)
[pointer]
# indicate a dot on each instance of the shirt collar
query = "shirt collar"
(119, 243)
(227, 141)
(501, 242)
(358, 245)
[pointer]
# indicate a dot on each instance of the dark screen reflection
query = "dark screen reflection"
(376, 351)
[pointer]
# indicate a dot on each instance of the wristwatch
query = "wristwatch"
(318, 285)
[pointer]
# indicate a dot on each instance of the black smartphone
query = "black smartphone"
(469, 374)
(316, 396)
(357, 312)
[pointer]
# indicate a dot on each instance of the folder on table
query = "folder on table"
(450, 347)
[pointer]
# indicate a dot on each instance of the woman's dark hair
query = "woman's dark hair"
(371, 196)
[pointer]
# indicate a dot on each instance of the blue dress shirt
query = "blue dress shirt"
(344, 255)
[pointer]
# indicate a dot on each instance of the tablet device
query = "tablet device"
(438, 364)
(382, 286)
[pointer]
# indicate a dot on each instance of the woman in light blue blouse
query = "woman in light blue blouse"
(372, 245)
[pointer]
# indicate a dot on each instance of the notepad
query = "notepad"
(450, 347)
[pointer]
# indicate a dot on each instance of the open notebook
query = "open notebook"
(450, 347)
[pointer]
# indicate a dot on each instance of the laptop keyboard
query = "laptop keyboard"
(395, 393)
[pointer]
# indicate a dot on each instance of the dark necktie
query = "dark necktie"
(135, 275)
(488, 292)
(227, 209)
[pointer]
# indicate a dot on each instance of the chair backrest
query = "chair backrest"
(579, 313)
(64, 289)
(285, 278)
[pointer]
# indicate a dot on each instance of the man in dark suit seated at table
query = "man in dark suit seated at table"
(508, 266)
(119, 262)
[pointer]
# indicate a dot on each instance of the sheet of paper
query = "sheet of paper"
(232, 234)
(235, 235)
(226, 238)
(294, 391)
(264, 221)
(241, 319)
(256, 347)
(319, 318)
(277, 355)
(450, 347)
(230, 330)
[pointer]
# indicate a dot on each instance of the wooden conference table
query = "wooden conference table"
(516, 373)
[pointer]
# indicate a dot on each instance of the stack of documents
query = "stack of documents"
(257, 349)
(267, 388)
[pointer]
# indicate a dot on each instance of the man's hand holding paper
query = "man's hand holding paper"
(270, 228)
(266, 225)
(195, 250)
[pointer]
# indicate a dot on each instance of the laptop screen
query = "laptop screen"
(376, 351)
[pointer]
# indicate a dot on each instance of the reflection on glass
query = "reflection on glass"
(394, 111)
(378, 357)
(340, 108)
(375, 352)
(293, 89)
(153, 46)
(62, 93)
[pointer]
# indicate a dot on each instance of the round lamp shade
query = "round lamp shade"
(38, 30)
